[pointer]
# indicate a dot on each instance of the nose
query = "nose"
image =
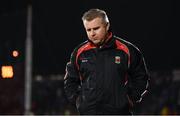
(92, 33)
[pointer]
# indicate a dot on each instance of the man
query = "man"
(106, 74)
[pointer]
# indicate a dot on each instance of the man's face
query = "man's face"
(96, 30)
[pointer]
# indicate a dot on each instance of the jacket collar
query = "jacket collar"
(109, 42)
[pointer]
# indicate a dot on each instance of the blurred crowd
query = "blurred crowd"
(48, 96)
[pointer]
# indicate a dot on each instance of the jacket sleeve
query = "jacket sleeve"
(138, 76)
(71, 80)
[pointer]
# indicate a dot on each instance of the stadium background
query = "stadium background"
(57, 28)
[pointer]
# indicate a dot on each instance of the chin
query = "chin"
(96, 43)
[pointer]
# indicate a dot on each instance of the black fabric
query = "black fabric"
(100, 75)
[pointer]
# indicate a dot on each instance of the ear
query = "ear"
(107, 26)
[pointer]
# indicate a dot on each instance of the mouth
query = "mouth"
(95, 39)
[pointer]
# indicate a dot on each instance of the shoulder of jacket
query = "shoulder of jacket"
(127, 43)
(79, 46)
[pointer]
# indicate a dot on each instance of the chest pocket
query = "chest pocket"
(121, 62)
(116, 63)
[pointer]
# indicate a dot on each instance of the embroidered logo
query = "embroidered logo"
(117, 59)
(83, 60)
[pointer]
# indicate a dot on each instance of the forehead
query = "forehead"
(95, 22)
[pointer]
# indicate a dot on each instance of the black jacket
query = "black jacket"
(106, 80)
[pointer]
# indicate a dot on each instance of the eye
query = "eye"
(96, 28)
(88, 30)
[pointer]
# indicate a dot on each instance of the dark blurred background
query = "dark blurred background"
(152, 25)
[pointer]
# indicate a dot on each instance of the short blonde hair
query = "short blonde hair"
(95, 13)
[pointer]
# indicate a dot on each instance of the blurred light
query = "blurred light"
(7, 72)
(15, 53)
